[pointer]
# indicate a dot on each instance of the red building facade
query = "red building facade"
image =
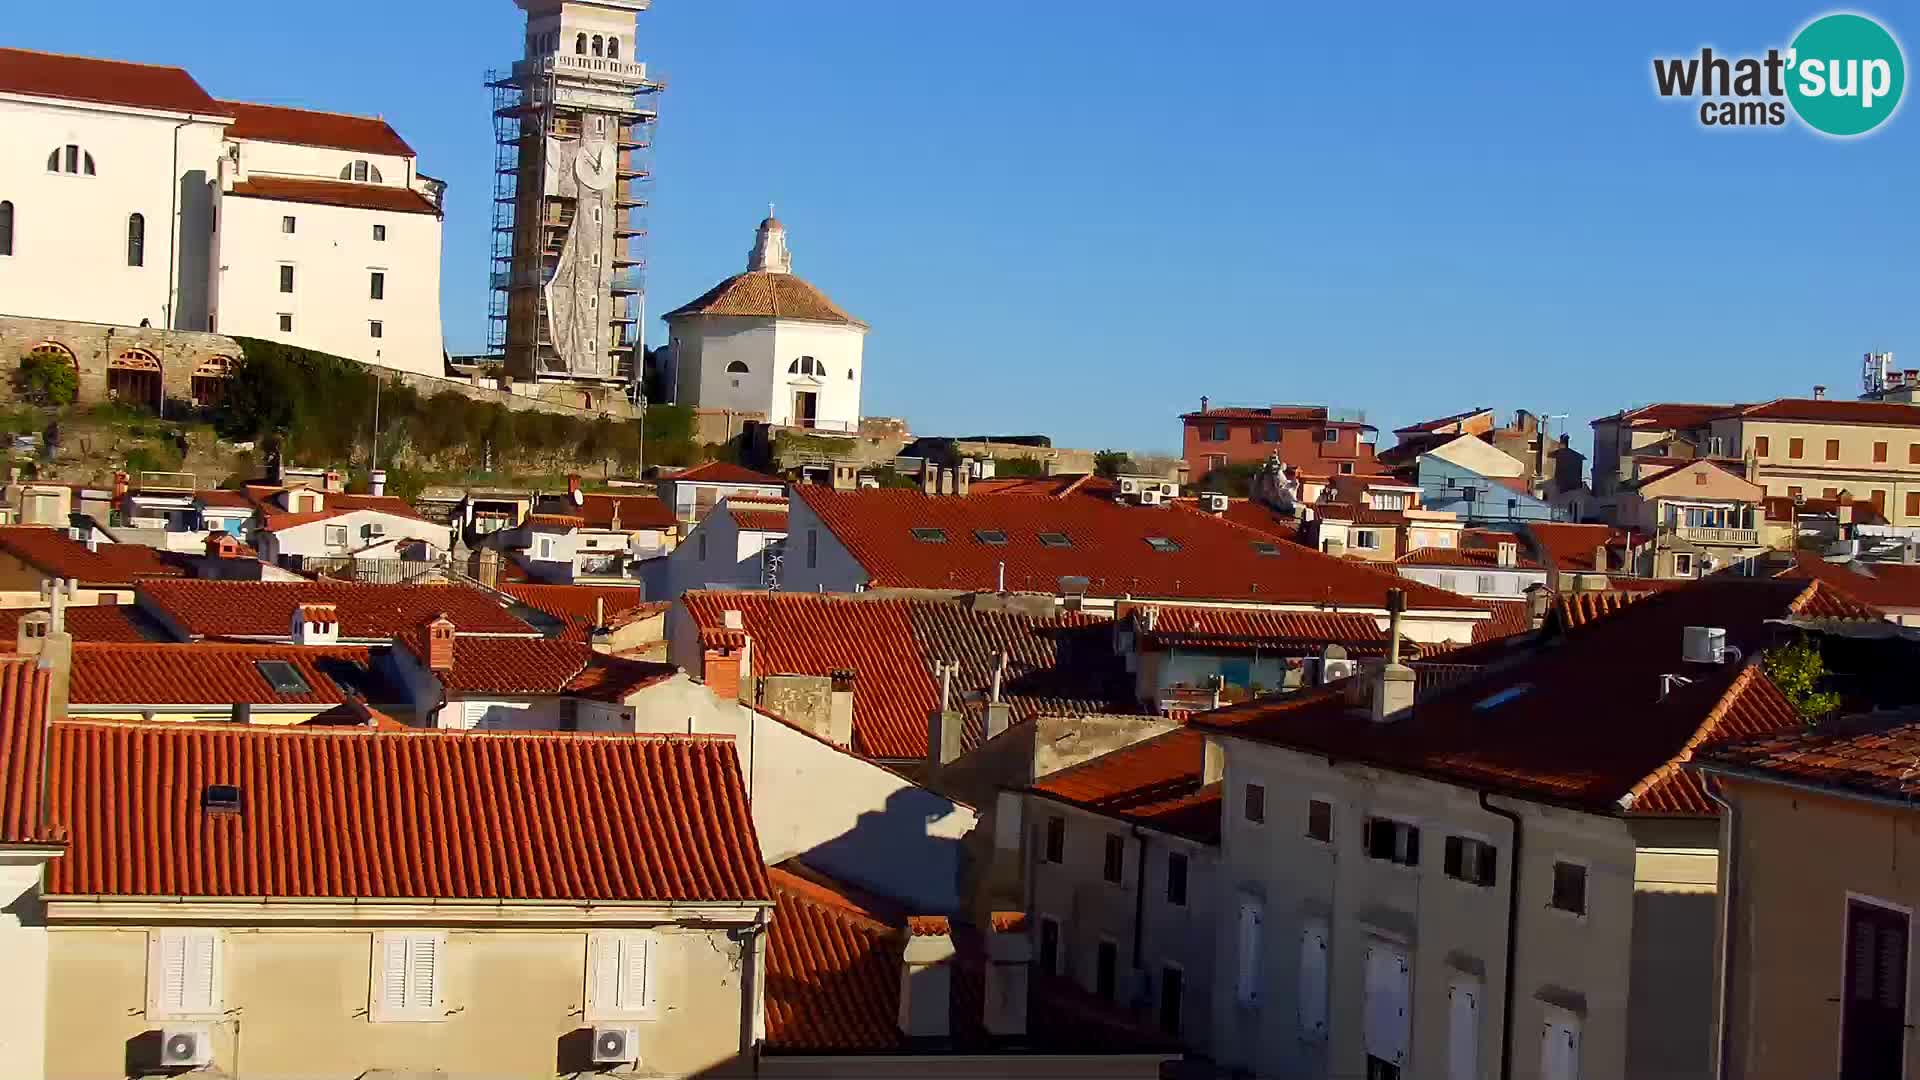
(1305, 436)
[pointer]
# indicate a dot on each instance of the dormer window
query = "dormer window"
(222, 799)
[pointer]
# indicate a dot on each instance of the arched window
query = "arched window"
(580, 45)
(849, 373)
(613, 48)
(738, 367)
(70, 159)
(361, 170)
(136, 240)
(6, 228)
(596, 45)
(807, 365)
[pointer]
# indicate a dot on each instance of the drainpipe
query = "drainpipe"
(173, 238)
(1513, 921)
(1723, 1049)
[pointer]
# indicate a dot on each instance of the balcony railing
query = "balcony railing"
(1700, 534)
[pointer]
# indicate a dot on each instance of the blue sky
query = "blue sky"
(1076, 218)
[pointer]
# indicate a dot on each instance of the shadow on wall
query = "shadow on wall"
(1673, 989)
(194, 260)
(893, 853)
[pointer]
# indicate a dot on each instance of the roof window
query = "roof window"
(221, 799)
(1496, 700)
(990, 536)
(282, 677)
(930, 536)
(1161, 543)
(1261, 547)
(1055, 540)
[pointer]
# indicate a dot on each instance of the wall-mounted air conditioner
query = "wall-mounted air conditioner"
(1335, 669)
(616, 1045)
(1150, 497)
(185, 1048)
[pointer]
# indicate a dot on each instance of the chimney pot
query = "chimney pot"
(377, 482)
(439, 635)
(1009, 960)
(926, 978)
(1819, 393)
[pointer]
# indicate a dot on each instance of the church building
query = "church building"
(766, 341)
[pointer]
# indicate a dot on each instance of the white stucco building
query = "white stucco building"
(132, 196)
(766, 341)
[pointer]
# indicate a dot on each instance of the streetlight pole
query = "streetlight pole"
(640, 402)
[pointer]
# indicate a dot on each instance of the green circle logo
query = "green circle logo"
(1845, 74)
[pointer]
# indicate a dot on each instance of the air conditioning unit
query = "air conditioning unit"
(376, 529)
(185, 1048)
(616, 1045)
(1150, 497)
(1335, 669)
(1703, 645)
(1169, 490)
(1214, 502)
(1129, 485)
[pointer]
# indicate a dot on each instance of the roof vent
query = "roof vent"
(1703, 645)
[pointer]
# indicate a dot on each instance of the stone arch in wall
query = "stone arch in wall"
(133, 378)
(210, 380)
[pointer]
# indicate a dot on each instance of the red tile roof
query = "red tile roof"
(1293, 633)
(23, 725)
(723, 472)
(538, 666)
(412, 815)
(1059, 485)
(304, 127)
(1216, 560)
(354, 712)
(1056, 667)
(1862, 755)
(1569, 548)
(52, 551)
(1364, 515)
(766, 295)
(1577, 608)
(397, 200)
(1154, 783)
(1670, 415)
(576, 605)
(111, 82)
(1313, 414)
(758, 517)
(1888, 585)
(1509, 618)
(105, 622)
(1783, 508)
(1444, 421)
(1475, 558)
(214, 674)
(1257, 516)
(264, 609)
(1834, 411)
(565, 522)
(636, 512)
(1536, 727)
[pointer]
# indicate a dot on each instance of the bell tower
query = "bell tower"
(573, 127)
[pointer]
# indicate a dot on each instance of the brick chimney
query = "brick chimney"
(439, 634)
(574, 494)
(222, 545)
(319, 624)
(1539, 598)
(926, 978)
(722, 658)
(333, 482)
(1009, 958)
(1394, 682)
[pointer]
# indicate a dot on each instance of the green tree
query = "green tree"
(1024, 465)
(1111, 463)
(47, 377)
(1798, 669)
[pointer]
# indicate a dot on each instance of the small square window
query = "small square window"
(1570, 887)
(1346, 468)
(1331, 435)
(930, 536)
(1833, 449)
(1056, 839)
(1472, 861)
(1682, 564)
(990, 536)
(1176, 879)
(288, 224)
(1055, 540)
(1219, 432)
(1320, 820)
(380, 234)
(1113, 868)
(286, 323)
(1161, 543)
(1256, 803)
(1392, 841)
(376, 329)
(1366, 539)
(336, 536)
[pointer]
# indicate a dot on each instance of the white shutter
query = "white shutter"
(1385, 1020)
(200, 991)
(423, 972)
(407, 976)
(620, 975)
(603, 974)
(1313, 981)
(393, 973)
(1251, 917)
(636, 952)
(183, 973)
(1560, 1047)
(1463, 1030)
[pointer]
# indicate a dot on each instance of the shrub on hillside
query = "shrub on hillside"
(46, 377)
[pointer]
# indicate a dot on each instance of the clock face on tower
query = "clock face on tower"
(594, 165)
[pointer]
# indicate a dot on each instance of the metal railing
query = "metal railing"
(167, 481)
(367, 571)
(1700, 534)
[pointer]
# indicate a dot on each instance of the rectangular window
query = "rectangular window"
(287, 224)
(1219, 433)
(286, 278)
(1879, 501)
(1346, 468)
(336, 536)
(1320, 820)
(1760, 446)
(1247, 973)
(1913, 453)
(1256, 803)
(183, 974)
(1796, 448)
(1391, 841)
(1569, 887)
(407, 976)
(1913, 504)
(1176, 879)
(1313, 981)
(1049, 945)
(376, 328)
(620, 975)
(813, 549)
(286, 323)
(1472, 861)
(1484, 582)
(1560, 1046)
(1331, 435)
(1463, 1029)
(1794, 493)
(380, 234)
(1366, 539)
(1682, 564)
(1106, 970)
(1833, 449)
(1380, 1069)
(1056, 839)
(377, 285)
(1873, 992)
(1273, 432)
(1879, 451)
(1173, 987)
(1829, 493)
(1114, 867)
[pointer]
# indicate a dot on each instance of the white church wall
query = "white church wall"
(837, 406)
(320, 162)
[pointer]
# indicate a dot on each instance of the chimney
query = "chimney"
(222, 545)
(946, 481)
(999, 713)
(926, 978)
(721, 657)
(377, 482)
(1509, 554)
(945, 724)
(1539, 598)
(1819, 393)
(319, 624)
(733, 619)
(1009, 957)
(1906, 552)
(962, 477)
(1600, 558)
(56, 646)
(119, 486)
(334, 482)
(439, 635)
(930, 479)
(840, 710)
(574, 494)
(846, 477)
(1334, 547)
(1203, 403)
(486, 567)
(32, 633)
(1393, 689)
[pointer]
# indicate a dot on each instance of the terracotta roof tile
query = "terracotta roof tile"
(1509, 618)
(398, 200)
(104, 622)
(1784, 508)
(1056, 666)
(216, 674)
(1155, 783)
(262, 609)
(575, 605)
(1864, 755)
(1671, 415)
(433, 815)
(759, 517)
(1886, 585)
(1834, 411)
(1292, 633)
(1445, 421)
(764, 294)
(52, 551)
(112, 82)
(1580, 607)
(724, 472)
(1569, 548)
(567, 522)
(635, 512)
(1108, 543)
(304, 127)
(538, 666)
(354, 712)
(23, 725)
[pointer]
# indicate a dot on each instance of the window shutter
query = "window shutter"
(423, 972)
(173, 972)
(636, 953)
(393, 973)
(1413, 845)
(1313, 981)
(1385, 1021)
(1250, 919)
(1454, 857)
(1489, 864)
(201, 972)
(603, 975)
(1560, 1048)
(1463, 1030)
